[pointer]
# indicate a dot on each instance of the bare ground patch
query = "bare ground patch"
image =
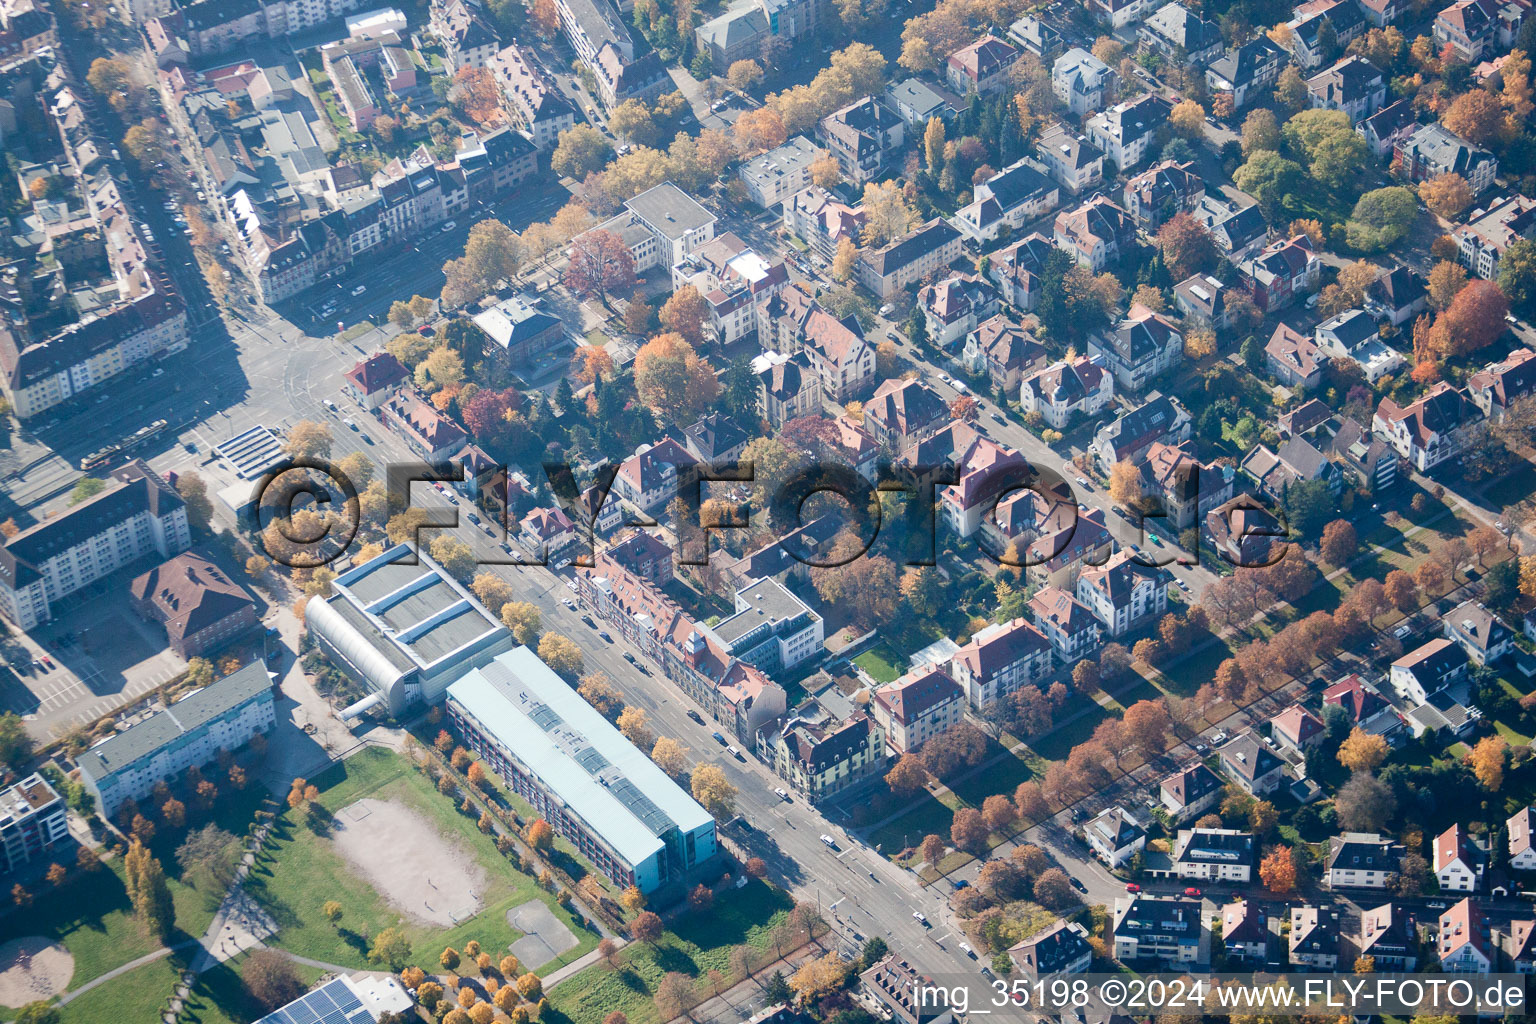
(545, 936)
(418, 870)
(33, 968)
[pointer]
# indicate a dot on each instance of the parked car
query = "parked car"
(1193, 893)
(965, 948)
(695, 716)
(736, 753)
(359, 289)
(829, 841)
(719, 738)
(781, 793)
(1132, 887)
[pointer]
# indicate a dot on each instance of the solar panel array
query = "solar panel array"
(332, 1003)
(640, 805)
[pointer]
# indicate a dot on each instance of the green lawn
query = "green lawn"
(699, 943)
(1058, 743)
(139, 995)
(928, 815)
(1003, 777)
(299, 872)
(881, 662)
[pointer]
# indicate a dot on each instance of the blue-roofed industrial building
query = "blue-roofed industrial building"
(589, 782)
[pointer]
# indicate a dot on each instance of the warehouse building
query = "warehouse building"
(589, 782)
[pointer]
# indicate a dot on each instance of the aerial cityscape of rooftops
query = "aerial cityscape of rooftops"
(819, 501)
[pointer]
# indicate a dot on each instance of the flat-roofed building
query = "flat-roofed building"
(580, 774)
(32, 821)
(401, 626)
(223, 715)
(771, 629)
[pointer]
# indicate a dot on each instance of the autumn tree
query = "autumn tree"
(932, 849)
(907, 775)
(474, 94)
(1053, 890)
(1474, 319)
(969, 831)
(712, 789)
(844, 259)
(670, 756)
(1488, 759)
(581, 150)
(1278, 871)
(1401, 591)
(599, 262)
(560, 654)
(1188, 119)
(1125, 483)
(646, 927)
(687, 314)
(743, 76)
(759, 130)
(1260, 132)
(1362, 751)
(1476, 115)
(1447, 195)
(1446, 279)
(672, 380)
(1186, 246)
(1339, 543)
(271, 979)
(887, 213)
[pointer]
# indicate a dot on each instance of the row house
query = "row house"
(1123, 593)
(1315, 937)
(1020, 193)
(1067, 389)
(1282, 272)
(1181, 36)
(865, 138)
(428, 432)
(1353, 85)
(1433, 150)
(1158, 928)
(788, 387)
(904, 411)
(1389, 936)
(468, 37)
(1245, 932)
(1429, 430)
(908, 259)
(1155, 195)
(1066, 622)
(916, 708)
(1215, 854)
(1139, 348)
(1071, 159)
(1127, 131)
(1095, 234)
(1082, 81)
(1017, 269)
(1463, 940)
(1459, 860)
(983, 67)
(527, 91)
(1004, 352)
(1521, 829)
(1486, 235)
(984, 470)
(999, 660)
(1497, 386)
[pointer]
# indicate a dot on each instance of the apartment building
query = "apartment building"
(33, 820)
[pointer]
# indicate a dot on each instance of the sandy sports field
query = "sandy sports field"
(419, 871)
(33, 968)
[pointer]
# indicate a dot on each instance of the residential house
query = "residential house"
(1123, 593)
(1353, 336)
(1120, 13)
(1520, 946)
(1296, 729)
(1388, 128)
(1315, 937)
(1497, 386)
(34, 820)
(904, 411)
(1036, 37)
(1004, 351)
(1429, 430)
(676, 225)
(905, 995)
(1397, 296)
(1245, 932)
(737, 34)
(1353, 85)
(787, 387)
(1127, 131)
(775, 177)
(1483, 239)
(825, 747)
(999, 659)
(537, 103)
(1161, 419)
(791, 321)
(1142, 346)
(1362, 860)
(1060, 948)
(1203, 300)
(823, 222)
(865, 136)
(1479, 632)
(517, 330)
(1095, 234)
(916, 708)
(1082, 81)
(715, 438)
(1016, 270)
(1115, 837)
(954, 306)
(734, 281)
(1058, 392)
(1215, 854)
(546, 532)
(1164, 189)
(1066, 622)
(1246, 72)
(648, 479)
(1187, 489)
(1252, 765)
(1284, 271)
(918, 102)
(425, 430)
(1459, 861)
(375, 380)
(1008, 200)
(1442, 712)
(1181, 36)
(1320, 27)
(1072, 160)
(1388, 936)
(200, 607)
(1469, 27)
(1165, 928)
(1238, 230)
(911, 258)
(1433, 150)
(1245, 533)
(1521, 828)
(1366, 708)
(984, 470)
(982, 67)
(1463, 940)
(1191, 791)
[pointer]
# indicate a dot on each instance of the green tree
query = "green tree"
(1380, 218)
(391, 948)
(15, 744)
(1517, 276)
(1269, 178)
(194, 493)
(580, 151)
(86, 488)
